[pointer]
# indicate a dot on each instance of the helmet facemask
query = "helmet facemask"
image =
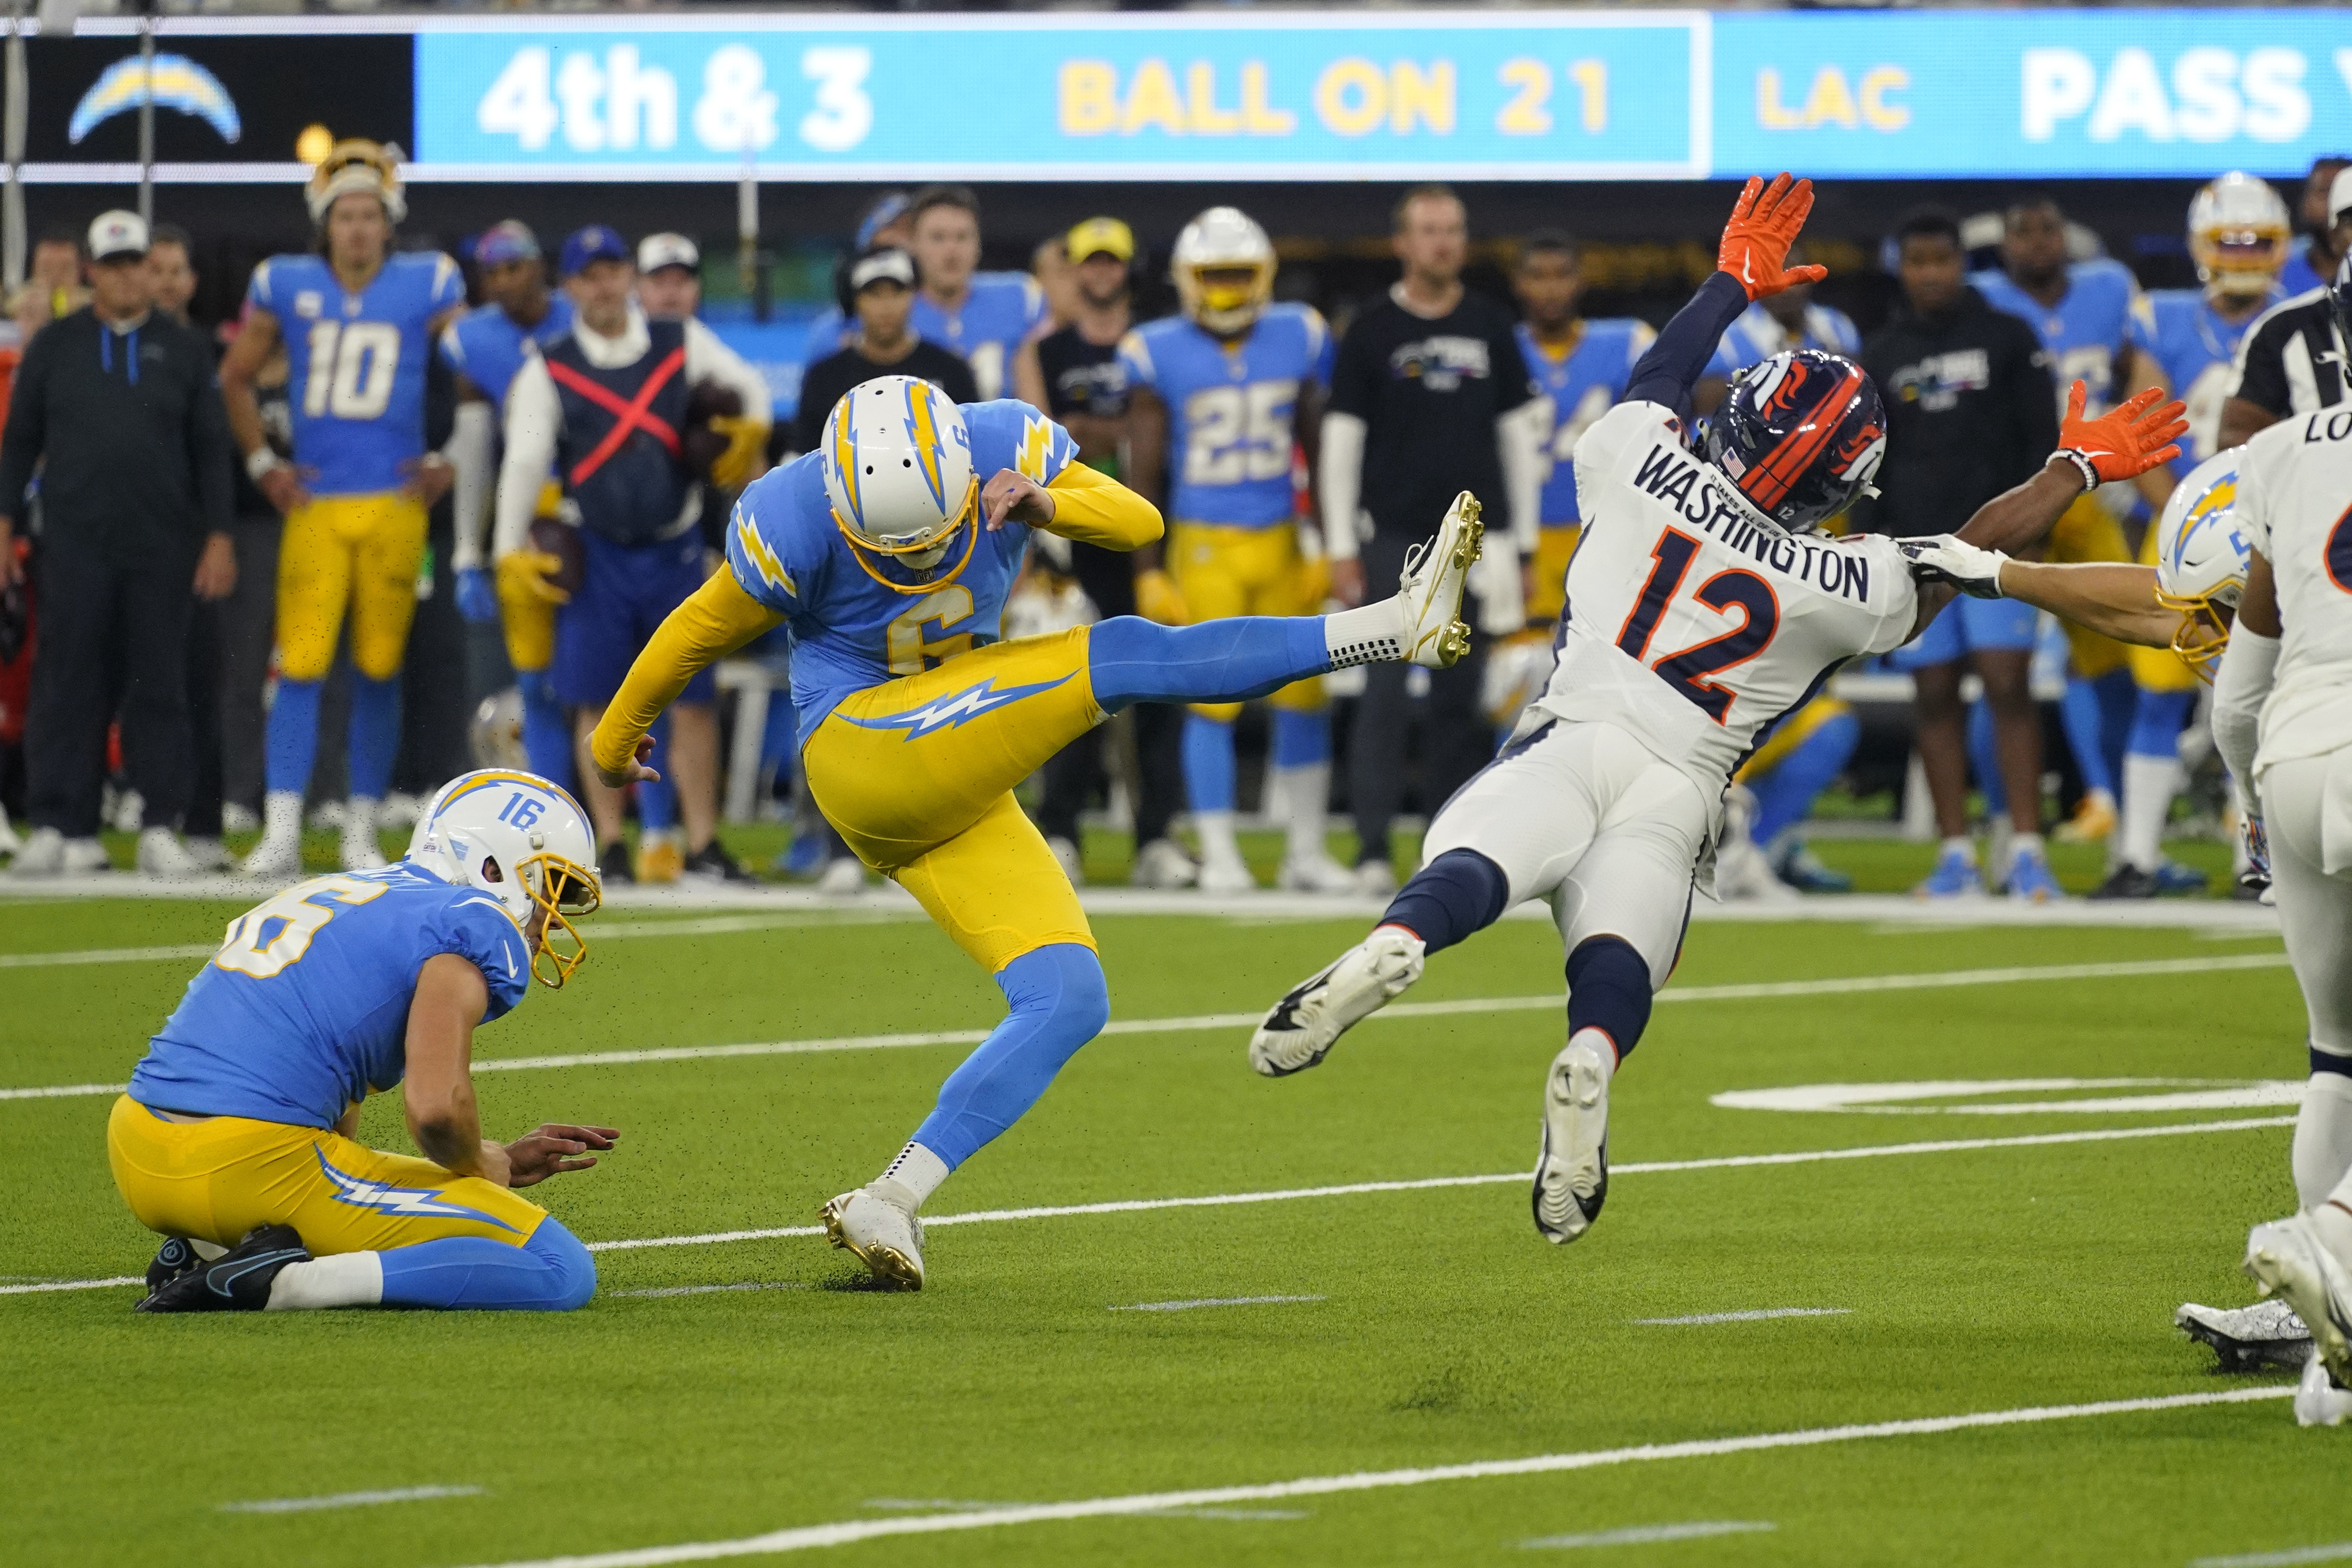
(558, 889)
(1226, 298)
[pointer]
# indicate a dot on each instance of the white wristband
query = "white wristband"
(2083, 466)
(259, 461)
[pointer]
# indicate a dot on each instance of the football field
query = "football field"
(1183, 1314)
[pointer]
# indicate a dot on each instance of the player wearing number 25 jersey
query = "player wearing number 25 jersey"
(238, 1130)
(1703, 604)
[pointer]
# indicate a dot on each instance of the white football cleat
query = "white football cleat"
(276, 859)
(1572, 1164)
(1304, 1026)
(362, 852)
(1315, 874)
(161, 854)
(2267, 1333)
(1376, 880)
(1430, 590)
(1162, 864)
(843, 874)
(1073, 864)
(2287, 1259)
(43, 854)
(2317, 1401)
(880, 1235)
(1221, 878)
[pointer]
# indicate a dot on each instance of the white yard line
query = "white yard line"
(954, 1505)
(1835, 985)
(1356, 1189)
(845, 1531)
(2335, 1552)
(349, 1500)
(1643, 1535)
(1216, 1302)
(713, 1290)
(1754, 1317)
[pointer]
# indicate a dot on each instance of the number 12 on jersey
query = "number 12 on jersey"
(1735, 590)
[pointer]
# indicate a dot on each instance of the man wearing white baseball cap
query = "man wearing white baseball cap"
(116, 403)
(669, 277)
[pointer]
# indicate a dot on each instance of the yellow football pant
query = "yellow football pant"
(215, 1180)
(359, 553)
(2086, 530)
(529, 624)
(1223, 572)
(1554, 544)
(917, 775)
(1789, 736)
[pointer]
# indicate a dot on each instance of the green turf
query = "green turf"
(1976, 1281)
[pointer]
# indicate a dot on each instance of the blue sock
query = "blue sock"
(1982, 761)
(2156, 722)
(376, 734)
(552, 1272)
(1135, 661)
(1301, 739)
(1609, 990)
(2118, 703)
(2085, 718)
(1208, 763)
(293, 735)
(1455, 895)
(1785, 795)
(657, 799)
(1059, 1003)
(546, 733)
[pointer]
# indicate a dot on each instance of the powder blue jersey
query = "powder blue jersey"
(356, 391)
(304, 1010)
(857, 618)
(1583, 385)
(2194, 347)
(486, 345)
(2299, 276)
(1758, 335)
(1230, 409)
(2083, 332)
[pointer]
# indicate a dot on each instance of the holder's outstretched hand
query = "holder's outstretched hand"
(1764, 225)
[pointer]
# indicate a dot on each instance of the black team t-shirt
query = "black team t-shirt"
(829, 378)
(1429, 390)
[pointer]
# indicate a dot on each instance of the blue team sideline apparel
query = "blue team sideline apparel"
(486, 345)
(1230, 408)
(304, 1011)
(850, 628)
(1758, 335)
(1583, 385)
(2195, 348)
(625, 593)
(2083, 332)
(356, 386)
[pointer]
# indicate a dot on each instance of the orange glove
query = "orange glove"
(2124, 443)
(1764, 225)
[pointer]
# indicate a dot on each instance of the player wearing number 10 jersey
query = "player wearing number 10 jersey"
(358, 324)
(1703, 606)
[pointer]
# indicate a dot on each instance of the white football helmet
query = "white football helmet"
(2201, 559)
(2239, 230)
(357, 166)
(1223, 239)
(525, 842)
(897, 468)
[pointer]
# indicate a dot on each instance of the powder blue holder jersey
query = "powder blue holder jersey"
(304, 1010)
(2195, 348)
(1758, 335)
(1232, 409)
(997, 316)
(1583, 385)
(356, 392)
(486, 345)
(2083, 332)
(851, 627)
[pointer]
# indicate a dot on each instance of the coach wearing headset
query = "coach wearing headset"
(877, 291)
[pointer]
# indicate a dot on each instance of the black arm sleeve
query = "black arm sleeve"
(210, 450)
(28, 428)
(1673, 363)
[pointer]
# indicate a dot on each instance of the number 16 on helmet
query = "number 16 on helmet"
(525, 842)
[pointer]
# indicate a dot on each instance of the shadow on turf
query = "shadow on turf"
(853, 1278)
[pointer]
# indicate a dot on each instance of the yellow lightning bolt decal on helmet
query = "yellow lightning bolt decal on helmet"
(845, 462)
(922, 424)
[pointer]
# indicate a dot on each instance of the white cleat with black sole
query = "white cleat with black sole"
(1572, 1166)
(1435, 575)
(2288, 1259)
(1302, 1027)
(2318, 1402)
(2248, 1338)
(879, 1234)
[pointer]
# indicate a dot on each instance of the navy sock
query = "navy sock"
(1232, 660)
(1459, 892)
(1059, 1003)
(552, 1272)
(1609, 990)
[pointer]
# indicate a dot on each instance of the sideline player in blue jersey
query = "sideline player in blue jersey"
(2312, 257)
(1219, 396)
(236, 1139)
(1789, 319)
(358, 324)
(888, 561)
(486, 347)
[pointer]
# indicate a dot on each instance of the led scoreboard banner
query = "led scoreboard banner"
(1532, 95)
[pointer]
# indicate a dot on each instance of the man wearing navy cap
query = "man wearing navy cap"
(486, 348)
(604, 405)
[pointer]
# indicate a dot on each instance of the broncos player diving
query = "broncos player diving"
(236, 1137)
(887, 554)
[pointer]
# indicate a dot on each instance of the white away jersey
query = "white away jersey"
(2294, 485)
(1690, 622)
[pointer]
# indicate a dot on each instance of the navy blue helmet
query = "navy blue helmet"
(1800, 434)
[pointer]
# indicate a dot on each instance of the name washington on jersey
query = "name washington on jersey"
(1697, 493)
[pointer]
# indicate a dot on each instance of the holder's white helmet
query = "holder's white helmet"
(525, 842)
(1223, 240)
(357, 164)
(2239, 230)
(897, 466)
(2201, 557)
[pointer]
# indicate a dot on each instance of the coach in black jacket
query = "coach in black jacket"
(116, 404)
(1970, 412)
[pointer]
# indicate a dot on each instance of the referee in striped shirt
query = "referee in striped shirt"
(2289, 361)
